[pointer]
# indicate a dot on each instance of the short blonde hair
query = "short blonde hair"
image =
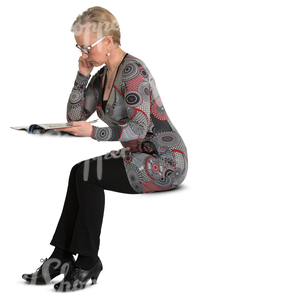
(103, 21)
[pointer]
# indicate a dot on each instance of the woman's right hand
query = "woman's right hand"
(85, 67)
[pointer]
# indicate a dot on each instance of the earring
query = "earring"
(108, 54)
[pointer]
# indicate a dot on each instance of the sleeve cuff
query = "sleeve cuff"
(80, 78)
(103, 133)
(93, 132)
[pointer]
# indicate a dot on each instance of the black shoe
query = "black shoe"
(48, 270)
(77, 278)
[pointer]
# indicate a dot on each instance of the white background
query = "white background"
(228, 75)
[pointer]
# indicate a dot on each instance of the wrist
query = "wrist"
(84, 74)
(92, 133)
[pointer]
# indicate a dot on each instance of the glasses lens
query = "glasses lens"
(86, 51)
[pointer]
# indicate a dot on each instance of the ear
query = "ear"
(109, 40)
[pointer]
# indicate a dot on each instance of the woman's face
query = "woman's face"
(97, 54)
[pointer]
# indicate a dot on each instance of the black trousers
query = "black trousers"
(79, 227)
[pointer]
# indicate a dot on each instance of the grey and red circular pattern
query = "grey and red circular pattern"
(75, 97)
(158, 110)
(169, 139)
(153, 168)
(133, 98)
(109, 110)
(130, 71)
(104, 133)
(128, 159)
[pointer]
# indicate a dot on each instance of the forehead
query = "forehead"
(85, 36)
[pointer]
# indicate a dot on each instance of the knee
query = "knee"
(85, 171)
(88, 170)
(80, 171)
(74, 170)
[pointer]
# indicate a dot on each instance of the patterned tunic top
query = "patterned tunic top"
(154, 153)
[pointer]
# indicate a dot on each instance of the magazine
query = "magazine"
(42, 128)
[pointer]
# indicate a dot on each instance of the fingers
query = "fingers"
(82, 62)
(64, 129)
(85, 67)
(85, 63)
(75, 123)
(70, 130)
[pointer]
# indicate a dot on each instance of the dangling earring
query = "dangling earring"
(108, 54)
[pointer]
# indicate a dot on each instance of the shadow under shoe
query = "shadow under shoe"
(76, 278)
(49, 269)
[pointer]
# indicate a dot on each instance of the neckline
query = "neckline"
(104, 82)
(119, 63)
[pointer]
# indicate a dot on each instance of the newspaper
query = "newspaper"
(41, 128)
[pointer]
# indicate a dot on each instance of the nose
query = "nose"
(84, 55)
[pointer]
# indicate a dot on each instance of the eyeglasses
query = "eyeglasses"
(88, 48)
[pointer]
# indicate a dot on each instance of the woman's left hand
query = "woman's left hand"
(79, 128)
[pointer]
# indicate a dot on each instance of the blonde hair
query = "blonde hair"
(103, 22)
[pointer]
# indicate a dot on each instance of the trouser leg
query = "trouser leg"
(80, 224)
(64, 231)
(87, 229)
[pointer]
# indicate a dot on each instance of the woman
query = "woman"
(154, 157)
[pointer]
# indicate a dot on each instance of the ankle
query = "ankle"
(62, 255)
(86, 262)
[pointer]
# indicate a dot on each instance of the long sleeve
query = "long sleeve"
(135, 92)
(81, 103)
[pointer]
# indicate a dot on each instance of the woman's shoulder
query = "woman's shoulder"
(132, 59)
(133, 65)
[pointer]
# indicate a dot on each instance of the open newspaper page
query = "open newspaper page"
(41, 128)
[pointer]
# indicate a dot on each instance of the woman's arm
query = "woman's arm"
(138, 107)
(81, 103)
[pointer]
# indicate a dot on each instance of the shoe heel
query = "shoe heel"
(95, 278)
